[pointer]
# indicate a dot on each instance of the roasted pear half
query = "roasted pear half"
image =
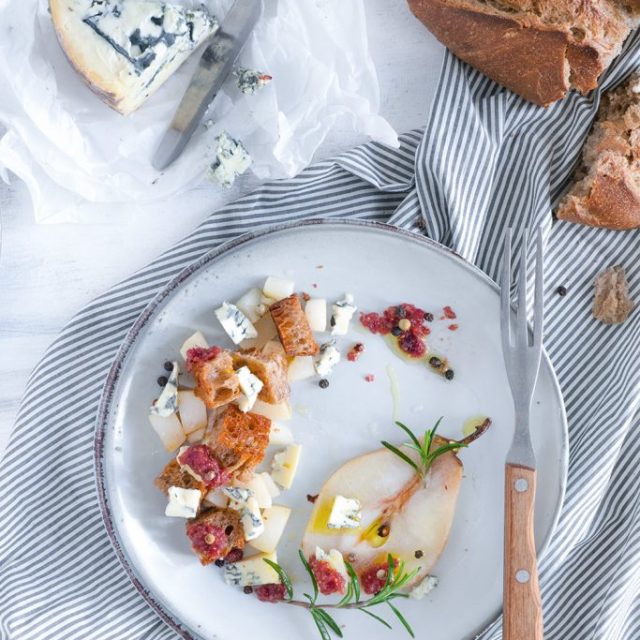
(403, 513)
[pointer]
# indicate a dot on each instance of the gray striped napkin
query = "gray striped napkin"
(486, 160)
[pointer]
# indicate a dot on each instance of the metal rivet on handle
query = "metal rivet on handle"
(522, 576)
(521, 485)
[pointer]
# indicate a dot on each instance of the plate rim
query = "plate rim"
(106, 396)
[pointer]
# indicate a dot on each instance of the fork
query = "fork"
(522, 615)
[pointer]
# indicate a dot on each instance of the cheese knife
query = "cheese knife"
(214, 68)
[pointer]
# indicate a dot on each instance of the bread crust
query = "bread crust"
(537, 60)
(293, 327)
(216, 382)
(271, 369)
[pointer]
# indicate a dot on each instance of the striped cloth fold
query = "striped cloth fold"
(486, 160)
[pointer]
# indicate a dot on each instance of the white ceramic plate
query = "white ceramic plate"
(380, 266)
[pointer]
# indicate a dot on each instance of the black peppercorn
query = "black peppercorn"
(436, 363)
(168, 366)
(428, 317)
(448, 374)
(561, 291)
(418, 554)
(162, 381)
(219, 562)
(396, 331)
(248, 589)
(324, 383)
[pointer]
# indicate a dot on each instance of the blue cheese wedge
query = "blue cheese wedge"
(252, 572)
(167, 402)
(329, 358)
(124, 49)
(183, 503)
(238, 497)
(346, 513)
(231, 160)
(425, 586)
(235, 323)
(251, 520)
(249, 80)
(343, 311)
(250, 386)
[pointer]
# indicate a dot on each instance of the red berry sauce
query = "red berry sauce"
(200, 459)
(369, 377)
(329, 579)
(207, 539)
(355, 352)
(374, 578)
(235, 555)
(390, 321)
(199, 355)
(270, 592)
(449, 313)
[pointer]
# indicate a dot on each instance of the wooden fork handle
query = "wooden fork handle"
(522, 618)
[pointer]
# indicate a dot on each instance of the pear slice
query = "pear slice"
(402, 514)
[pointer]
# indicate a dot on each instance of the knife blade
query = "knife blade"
(214, 67)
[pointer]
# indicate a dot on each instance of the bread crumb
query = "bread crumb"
(612, 304)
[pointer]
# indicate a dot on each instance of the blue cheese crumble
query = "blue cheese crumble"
(232, 160)
(249, 80)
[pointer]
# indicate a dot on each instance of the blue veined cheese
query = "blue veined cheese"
(251, 520)
(235, 323)
(232, 160)
(238, 497)
(343, 311)
(250, 386)
(329, 358)
(252, 572)
(346, 513)
(167, 402)
(183, 503)
(126, 49)
(249, 80)
(425, 586)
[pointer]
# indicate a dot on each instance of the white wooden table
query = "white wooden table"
(48, 272)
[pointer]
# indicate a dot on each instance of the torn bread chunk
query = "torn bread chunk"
(293, 327)
(270, 368)
(612, 304)
(239, 440)
(606, 192)
(216, 381)
(214, 533)
(174, 476)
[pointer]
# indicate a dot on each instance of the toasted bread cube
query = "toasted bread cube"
(270, 368)
(293, 327)
(216, 382)
(173, 476)
(239, 440)
(214, 533)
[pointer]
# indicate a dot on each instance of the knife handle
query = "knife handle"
(522, 617)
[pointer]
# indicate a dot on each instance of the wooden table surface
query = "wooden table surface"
(49, 272)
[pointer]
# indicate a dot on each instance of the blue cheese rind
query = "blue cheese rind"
(126, 50)
(249, 81)
(231, 160)
(346, 513)
(343, 312)
(167, 402)
(237, 326)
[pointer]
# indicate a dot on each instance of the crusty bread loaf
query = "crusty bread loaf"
(538, 48)
(607, 188)
(612, 304)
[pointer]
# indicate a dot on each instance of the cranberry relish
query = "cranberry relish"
(329, 579)
(405, 322)
(202, 463)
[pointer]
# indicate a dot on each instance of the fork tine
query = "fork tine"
(505, 292)
(522, 329)
(538, 309)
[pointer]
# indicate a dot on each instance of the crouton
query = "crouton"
(216, 382)
(238, 439)
(173, 476)
(293, 327)
(214, 533)
(272, 371)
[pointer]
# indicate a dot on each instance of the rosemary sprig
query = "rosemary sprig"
(426, 456)
(395, 580)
